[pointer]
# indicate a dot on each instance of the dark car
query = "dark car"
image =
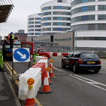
(78, 61)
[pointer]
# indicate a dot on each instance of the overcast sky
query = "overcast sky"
(18, 17)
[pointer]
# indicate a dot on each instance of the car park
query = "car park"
(78, 61)
(43, 52)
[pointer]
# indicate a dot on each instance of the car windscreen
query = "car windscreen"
(89, 56)
(42, 50)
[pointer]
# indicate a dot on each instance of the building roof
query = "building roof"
(4, 12)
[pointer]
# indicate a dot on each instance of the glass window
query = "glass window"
(83, 18)
(83, 9)
(62, 7)
(75, 2)
(46, 8)
(31, 18)
(102, 7)
(101, 17)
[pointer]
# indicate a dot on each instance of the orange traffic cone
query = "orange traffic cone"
(46, 88)
(51, 71)
(49, 75)
(30, 101)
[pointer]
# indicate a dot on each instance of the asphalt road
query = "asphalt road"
(69, 89)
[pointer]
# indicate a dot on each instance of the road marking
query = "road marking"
(86, 80)
(58, 69)
(89, 81)
(17, 82)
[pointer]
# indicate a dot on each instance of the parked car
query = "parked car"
(43, 52)
(78, 61)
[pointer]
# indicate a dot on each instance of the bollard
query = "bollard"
(51, 69)
(34, 57)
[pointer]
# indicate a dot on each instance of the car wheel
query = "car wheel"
(63, 65)
(96, 70)
(74, 69)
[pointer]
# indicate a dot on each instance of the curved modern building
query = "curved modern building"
(34, 25)
(88, 20)
(55, 17)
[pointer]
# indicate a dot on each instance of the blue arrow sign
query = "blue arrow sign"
(21, 55)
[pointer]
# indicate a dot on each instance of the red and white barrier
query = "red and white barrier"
(58, 54)
(36, 72)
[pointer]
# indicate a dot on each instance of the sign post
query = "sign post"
(20, 55)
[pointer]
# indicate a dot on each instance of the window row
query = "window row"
(90, 38)
(33, 29)
(31, 26)
(34, 33)
(56, 23)
(34, 19)
(91, 27)
(57, 7)
(36, 22)
(55, 29)
(83, 18)
(75, 2)
(56, 18)
(83, 9)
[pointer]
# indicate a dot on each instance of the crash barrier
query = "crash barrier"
(36, 72)
(58, 54)
(1, 60)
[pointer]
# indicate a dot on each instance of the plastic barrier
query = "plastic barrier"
(54, 54)
(34, 56)
(37, 73)
(42, 66)
(38, 58)
(34, 73)
(64, 54)
(1, 59)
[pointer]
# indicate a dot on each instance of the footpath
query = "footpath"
(7, 94)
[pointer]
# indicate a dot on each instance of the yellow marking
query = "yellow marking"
(17, 82)
(11, 69)
(8, 68)
(36, 100)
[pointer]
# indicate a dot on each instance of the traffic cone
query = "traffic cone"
(51, 71)
(30, 101)
(46, 88)
(51, 63)
(48, 75)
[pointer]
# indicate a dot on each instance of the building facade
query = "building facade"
(22, 36)
(55, 17)
(88, 20)
(34, 25)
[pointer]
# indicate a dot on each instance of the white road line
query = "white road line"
(86, 80)
(58, 69)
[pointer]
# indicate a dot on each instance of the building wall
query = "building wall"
(89, 23)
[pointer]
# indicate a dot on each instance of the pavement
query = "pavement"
(7, 93)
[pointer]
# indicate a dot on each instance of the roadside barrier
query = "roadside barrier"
(1, 60)
(46, 88)
(34, 57)
(51, 69)
(30, 101)
(58, 54)
(34, 73)
(37, 72)
(42, 66)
